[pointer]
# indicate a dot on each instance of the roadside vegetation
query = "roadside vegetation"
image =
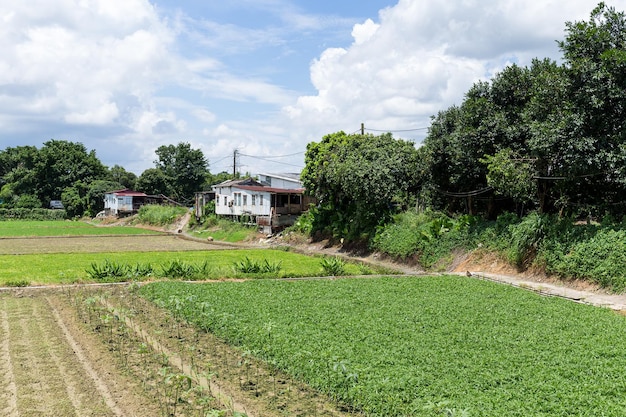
(216, 228)
(559, 246)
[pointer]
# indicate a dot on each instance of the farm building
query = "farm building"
(273, 203)
(123, 202)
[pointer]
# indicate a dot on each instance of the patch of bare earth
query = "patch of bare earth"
(101, 244)
(51, 368)
(235, 378)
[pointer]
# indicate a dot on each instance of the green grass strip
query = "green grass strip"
(70, 268)
(422, 346)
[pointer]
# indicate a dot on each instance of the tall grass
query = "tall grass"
(160, 215)
(561, 246)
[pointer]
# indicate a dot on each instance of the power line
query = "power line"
(269, 160)
(466, 194)
(277, 156)
(397, 130)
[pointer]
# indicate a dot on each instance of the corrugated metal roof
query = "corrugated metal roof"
(127, 193)
(271, 189)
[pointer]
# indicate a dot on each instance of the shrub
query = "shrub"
(31, 214)
(601, 259)
(333, 266)
(160, 215)
(249, 266)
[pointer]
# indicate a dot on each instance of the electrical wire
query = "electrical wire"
(396, 130)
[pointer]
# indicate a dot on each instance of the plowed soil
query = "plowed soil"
(50, 367)
(80, 351)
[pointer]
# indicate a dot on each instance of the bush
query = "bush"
(249, 266)
(160, 215)
(333, 266)
(31, 214)
(600, 259)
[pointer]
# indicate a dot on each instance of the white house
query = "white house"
(262, 202)
(286, 180)
(122, 202)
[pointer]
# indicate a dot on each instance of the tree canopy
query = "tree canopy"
(548, 136)
(357, 179)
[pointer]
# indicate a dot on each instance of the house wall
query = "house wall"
(276, 182)
(110, 203)
(232, 201)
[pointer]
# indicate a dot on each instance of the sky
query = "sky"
(260, 77)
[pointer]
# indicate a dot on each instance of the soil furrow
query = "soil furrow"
(8, 396)
(100, 385)
(38, 382)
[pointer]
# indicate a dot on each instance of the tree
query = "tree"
(184, 168)
(119, 175)
(357, 179)
(595, 56)
(16, 173)
(60, 164)
(153, 181)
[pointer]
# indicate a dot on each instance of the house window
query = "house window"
(245, 199)
(237, 199)
(254, 199)
(260, 200)
(225, 200)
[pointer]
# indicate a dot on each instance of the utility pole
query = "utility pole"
(235, 163)
(362, 128)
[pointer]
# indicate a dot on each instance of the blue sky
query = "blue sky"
(263, 77)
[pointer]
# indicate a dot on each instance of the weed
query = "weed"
(333, 266)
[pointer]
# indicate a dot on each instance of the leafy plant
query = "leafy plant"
(333, 266)
(17, 283)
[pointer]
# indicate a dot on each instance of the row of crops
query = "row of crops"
(420, 346)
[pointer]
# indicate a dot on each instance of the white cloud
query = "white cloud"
(421, 57)
(124, 77)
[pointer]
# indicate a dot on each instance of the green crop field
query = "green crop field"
(421, 346)
(26, 228)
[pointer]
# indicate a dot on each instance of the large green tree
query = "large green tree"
(59, 164)
(184, 168)
(357, 179)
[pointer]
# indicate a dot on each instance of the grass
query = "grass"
(66, 268)
(224, 230)
(27, 228)
(421, 346)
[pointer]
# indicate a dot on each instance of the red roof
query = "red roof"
(127, 193)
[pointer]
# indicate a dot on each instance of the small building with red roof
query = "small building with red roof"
(123, 202)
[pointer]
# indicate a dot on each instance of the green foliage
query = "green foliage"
(184, 169)
(511, 175)
(429, 346)
(160, 215)
(333, 266)
(31, 214)
(107, 271)
(357, 179)
(427, 237)
(178, 269)
(600, 259)
(17, 283)
(250, 266)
